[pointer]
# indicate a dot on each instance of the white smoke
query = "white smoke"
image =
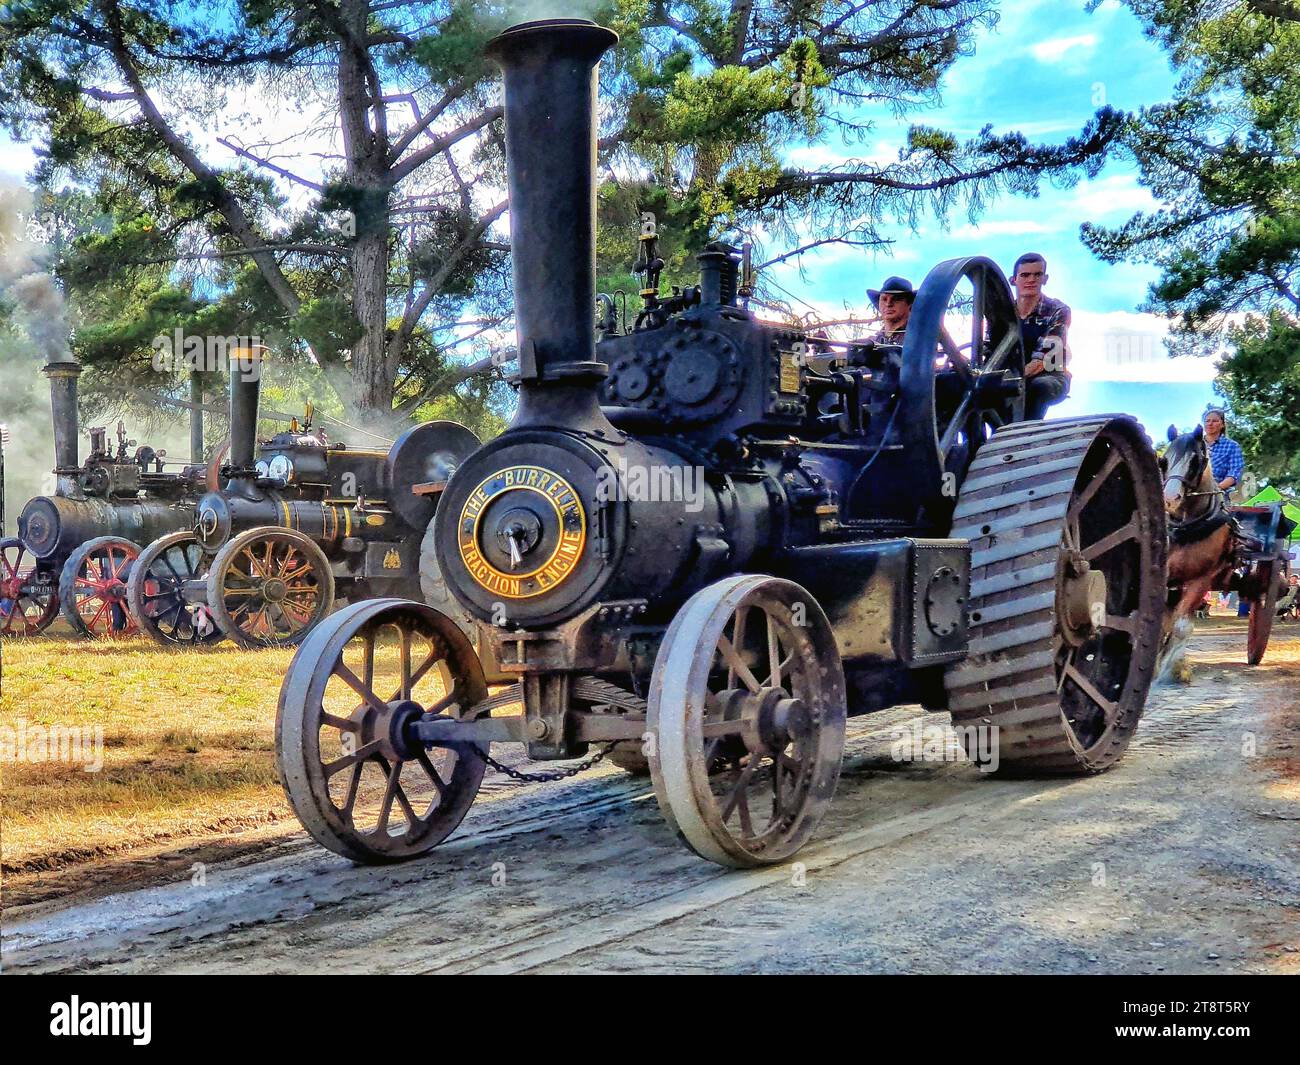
(39, 312)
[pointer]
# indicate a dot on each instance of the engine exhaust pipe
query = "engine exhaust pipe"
(63, 376)
(246, 365)
(549, 72)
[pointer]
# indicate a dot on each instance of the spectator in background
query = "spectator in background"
(1286, 605)
(1226, 460)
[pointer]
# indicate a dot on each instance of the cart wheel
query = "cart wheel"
(1262, 611)
(747, 709)
(358, 783)
(268, 587)
(92, 588)
(29, 600)
(154, 594)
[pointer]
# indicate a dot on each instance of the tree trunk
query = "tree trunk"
(365, 144)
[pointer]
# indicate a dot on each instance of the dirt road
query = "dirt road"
(1186, 858)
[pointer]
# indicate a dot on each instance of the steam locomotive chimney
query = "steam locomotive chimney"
(549, 70)
(245, 388)
(63, 411)
(196, 419)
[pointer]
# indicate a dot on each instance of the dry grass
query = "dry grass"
(188, 747)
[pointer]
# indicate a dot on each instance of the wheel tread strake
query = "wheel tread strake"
(1013, 508)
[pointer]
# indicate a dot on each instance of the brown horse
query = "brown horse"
(1201, 545)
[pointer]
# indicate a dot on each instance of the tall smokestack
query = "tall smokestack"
(63, 376)
(245, 388)
(549, 70)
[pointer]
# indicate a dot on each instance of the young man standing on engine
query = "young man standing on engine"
(1044, 331)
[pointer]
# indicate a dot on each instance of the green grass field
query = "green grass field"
(188, 747)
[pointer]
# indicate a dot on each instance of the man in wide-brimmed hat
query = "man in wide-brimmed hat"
(893, 300)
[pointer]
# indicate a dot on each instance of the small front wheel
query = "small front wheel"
(156, 593)
(747, 709)
(360, 782)
(92, 587)
(29, 601)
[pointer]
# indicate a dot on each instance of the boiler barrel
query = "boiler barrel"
(53, 527)
(223, 515)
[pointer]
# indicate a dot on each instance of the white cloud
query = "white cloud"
(1008, 227)
(1056, 49)
(819, 156)
(1117, 194)
(1129, 346)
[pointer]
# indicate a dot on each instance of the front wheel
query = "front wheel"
(360, 784)
(155, 593)
(747, 710)
(29, 600)
(92, 587)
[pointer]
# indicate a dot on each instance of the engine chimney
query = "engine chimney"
(549, 70)
(246, 364)
(63, 411)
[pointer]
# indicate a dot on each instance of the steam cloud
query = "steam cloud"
(39, 312)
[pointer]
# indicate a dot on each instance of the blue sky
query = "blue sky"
(1044, 70)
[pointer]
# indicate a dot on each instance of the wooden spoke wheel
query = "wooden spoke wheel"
(358, 781)
(1263, 609)
(268, 587)
(155, 593)
(1066, 525)
(747, 710)
(29, 598)
(92, 587)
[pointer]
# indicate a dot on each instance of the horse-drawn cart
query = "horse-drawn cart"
(1261, 553)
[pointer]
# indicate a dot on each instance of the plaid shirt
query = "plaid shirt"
(1226, 460)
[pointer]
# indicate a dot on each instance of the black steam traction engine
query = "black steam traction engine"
(876, 525)
(306, 518)
(75, 548)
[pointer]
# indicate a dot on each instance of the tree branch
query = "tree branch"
(225, 143)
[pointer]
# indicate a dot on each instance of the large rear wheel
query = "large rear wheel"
(1263, 609)
(92, 587)
(1067, 534)
(268, 587)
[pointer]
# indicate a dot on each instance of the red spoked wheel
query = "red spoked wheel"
(29, 597)
(1262, 611)
(92, 589)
